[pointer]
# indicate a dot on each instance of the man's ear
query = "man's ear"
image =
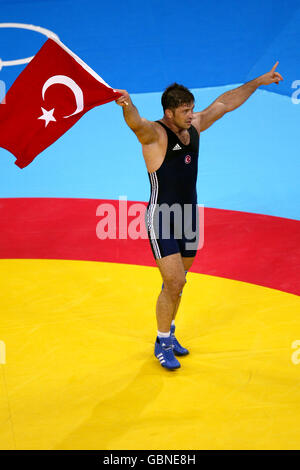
(169, 113)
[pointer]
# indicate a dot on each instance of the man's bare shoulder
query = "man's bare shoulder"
(155, 150)
(157, 130)
(159, 127)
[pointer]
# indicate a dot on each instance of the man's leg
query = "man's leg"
(172, 270)
(177, 348)
(187, 263)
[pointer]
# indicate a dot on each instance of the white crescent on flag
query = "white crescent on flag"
(64, 80)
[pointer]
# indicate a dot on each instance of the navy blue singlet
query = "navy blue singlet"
(173, 186)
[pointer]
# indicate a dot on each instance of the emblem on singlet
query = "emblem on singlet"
(188, 159)
(177, 147)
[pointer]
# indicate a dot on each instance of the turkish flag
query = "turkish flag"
(48, 97)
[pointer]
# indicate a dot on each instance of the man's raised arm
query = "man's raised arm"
(232, 99)
(144, 130)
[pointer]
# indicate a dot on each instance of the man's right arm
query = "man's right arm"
(145, 131)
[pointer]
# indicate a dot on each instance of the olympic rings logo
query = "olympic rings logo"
(31, 27)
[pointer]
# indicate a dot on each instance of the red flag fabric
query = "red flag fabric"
(51, 94)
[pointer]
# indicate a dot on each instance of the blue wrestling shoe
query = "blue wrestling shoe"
(164, 352)
(177, 348)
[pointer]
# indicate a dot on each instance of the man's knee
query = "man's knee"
(174, 287)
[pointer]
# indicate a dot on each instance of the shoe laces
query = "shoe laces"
(168, 352)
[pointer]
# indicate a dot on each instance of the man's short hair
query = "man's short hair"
(176, 95)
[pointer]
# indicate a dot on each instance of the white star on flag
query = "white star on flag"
(47, 116)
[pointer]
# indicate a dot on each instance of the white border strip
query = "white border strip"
(81, 62)
(154, 197)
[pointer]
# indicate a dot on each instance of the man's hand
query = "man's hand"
(145, 130)
(124, 99)
(270, 77)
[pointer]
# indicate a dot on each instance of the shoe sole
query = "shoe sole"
(180, 354)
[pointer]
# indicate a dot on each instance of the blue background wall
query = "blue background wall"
(249, 160)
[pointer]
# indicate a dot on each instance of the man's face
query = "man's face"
(183, 115)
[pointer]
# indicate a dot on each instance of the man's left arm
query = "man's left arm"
(232, 99)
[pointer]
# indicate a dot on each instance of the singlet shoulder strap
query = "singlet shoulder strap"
(172, 137)
(195, 132)
(170, 132)
(163, 125)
